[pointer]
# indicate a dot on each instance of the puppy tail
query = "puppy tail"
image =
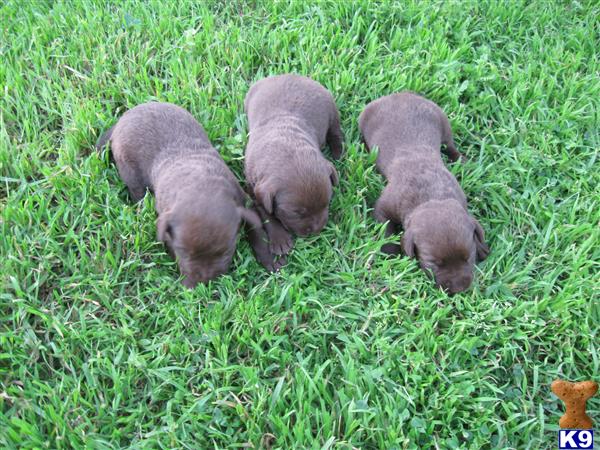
(104, 138)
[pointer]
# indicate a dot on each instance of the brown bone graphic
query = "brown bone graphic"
(574, 396)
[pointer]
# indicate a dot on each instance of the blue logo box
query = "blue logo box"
(568, 439)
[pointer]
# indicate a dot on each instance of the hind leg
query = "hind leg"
(448, 141)
(391, 228)
(451, 152)
(335, 137)
(391, 248)
(363, 141)
(135, 184)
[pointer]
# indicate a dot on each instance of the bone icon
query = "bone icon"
(574, 396)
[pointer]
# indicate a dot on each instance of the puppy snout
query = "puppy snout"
(308, 230)
(190, 282)
(458, 284)
(315, 226)
(192, 278)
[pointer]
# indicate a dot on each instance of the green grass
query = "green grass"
(102, 347)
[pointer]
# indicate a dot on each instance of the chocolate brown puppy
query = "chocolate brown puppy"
(421, 195)
(291, 117)
(200, 204)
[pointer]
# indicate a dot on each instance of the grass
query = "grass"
(100, 345)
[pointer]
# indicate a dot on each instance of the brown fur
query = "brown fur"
(421, 195)
(200, 204)
(291, 117)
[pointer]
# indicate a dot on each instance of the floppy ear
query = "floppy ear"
(482, 248)
(408, 244)
(164, 229)
(333, 175)
(250, 217)
(265, 196)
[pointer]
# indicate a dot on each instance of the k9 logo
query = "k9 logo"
(568, 439)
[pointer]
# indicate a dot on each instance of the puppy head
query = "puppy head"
(300, 202)
(202, 237)
(448, 242)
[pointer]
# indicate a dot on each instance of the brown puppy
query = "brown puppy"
(200, 204)
(290, 118)
(421, 194)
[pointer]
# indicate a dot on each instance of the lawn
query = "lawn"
(102, 347)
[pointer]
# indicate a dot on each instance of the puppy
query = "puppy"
(200, 204)
(290, 119)
(421, 194)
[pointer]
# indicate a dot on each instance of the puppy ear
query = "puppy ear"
(265, 196)
(250, 217)
(164, 228)
(482, 248)
(333, 175)
(408, 244)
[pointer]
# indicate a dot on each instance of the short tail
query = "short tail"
(104, 138)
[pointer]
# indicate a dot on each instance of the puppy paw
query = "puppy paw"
(280, 242)
(272, 262)
(278, 263)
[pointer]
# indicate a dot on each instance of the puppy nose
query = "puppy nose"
(457, 285)
(309, 229)
(305, 231)
(315, 228)
(191, 281)
(465, 282)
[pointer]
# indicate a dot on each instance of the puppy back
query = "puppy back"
(158, 124)
(278, 97)
(399, 120)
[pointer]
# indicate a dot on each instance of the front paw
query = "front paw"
(280, 241)
(271, 262)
